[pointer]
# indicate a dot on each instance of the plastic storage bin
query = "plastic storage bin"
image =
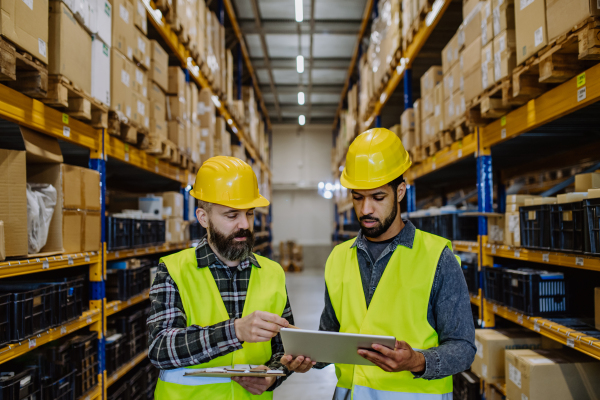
(454, 227)
(118, 233)
(492, 284)
(465, 386)
(534, 292)
(20, 385)
(32, 308)
(535, 226)
(137, 233)
(470, 273)
(118, 392)
(591, 210)
(59, 389)
(567, 227)
(84, 357)
(5, 319)
(114, 358)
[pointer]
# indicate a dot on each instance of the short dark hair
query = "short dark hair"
(396, 182)
(206, 206)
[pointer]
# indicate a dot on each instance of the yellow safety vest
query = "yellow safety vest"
(398, 308)
(204, 306)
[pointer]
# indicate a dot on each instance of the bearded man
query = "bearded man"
(218, 304)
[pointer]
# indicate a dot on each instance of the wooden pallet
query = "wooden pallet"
(163, 149)
(20, 71)
(456, 132)
(417, 154)
(122, 127)
(64, 95)
(164, 6)
(433, 146)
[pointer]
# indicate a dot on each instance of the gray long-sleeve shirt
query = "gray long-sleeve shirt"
(449, 310)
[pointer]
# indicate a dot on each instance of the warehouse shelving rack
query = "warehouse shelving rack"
(25, 111)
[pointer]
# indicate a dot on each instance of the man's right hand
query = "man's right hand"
(260, 326)
(299, 364)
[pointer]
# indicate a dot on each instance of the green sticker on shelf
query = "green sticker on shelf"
(65, 119)
(580, 80)
(156, 161)
(503, 121)
(126, 147)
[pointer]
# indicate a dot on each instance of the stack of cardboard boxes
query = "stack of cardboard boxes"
(432, 95)
(454, 98)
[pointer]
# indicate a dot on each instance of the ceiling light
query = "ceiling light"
(301, 120)
(328, 195)
(301, 98)
(300, 64)
(299, 11)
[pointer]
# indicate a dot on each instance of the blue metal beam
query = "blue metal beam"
(408, 99)
(378, 121)
(485, 186)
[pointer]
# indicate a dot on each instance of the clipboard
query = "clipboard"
(244, 370)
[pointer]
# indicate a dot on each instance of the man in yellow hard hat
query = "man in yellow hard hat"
(219, 304)
(394, 280)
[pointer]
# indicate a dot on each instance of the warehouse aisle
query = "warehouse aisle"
(306, 295)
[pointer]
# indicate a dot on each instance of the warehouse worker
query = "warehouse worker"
(219, 304)
(394, 280)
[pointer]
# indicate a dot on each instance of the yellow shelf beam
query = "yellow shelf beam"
(31, 265)
(17, 349)
(544, 257)
(23, 110)
(115, 306)
(128, 253)
(170, 37)
(566, 98)
(552, 330)
(126, 368)
(475, 300)
(94, 393)
(466, 247)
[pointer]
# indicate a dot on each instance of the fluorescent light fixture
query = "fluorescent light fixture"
(301, 98)
(300, 64)
(328, 195)
(302, 120)
(299, 11)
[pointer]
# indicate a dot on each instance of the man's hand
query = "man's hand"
(260, 326)
(299, 364)
(255, 386)
(401, 358)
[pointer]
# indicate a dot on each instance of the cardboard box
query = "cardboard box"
(2, 244)
(503, 17)
(571, 197)
(158, 129)
(91, 231)
(531, 30)
(176, 108)
(140, 83)
(469, 6)
(519, 198)
(487, 65)
(122, 75)
(427, 135)
(176, 82)
(551, 374)
(450, 54)
(512, 229)
(25, 24)
(563, 15)
(407, 119)
(452, 81)
(458, 99)
(473, 87)
(597, 306)
(438, 107)
(449, 113)
(72, 233)
(159, 65)
(428, 105)
(140, 20)
(583, 182)
(100, 71)
(123, 31)
(175, 201)
(472, 24)
(157, 110)
(487, 30)
(155, 93)
(71, 186)
(505, 58)
(432, 77)
(176, 134)
(141, 51)
(141, 110)
(470, 58)
(496, 226)
(90, 186)
(593, 193)
(206, 113)
(538, 201)
(174, 231)
(13, 201)
(101, 20)
(418, 122)
(65, 35)
(491, 343)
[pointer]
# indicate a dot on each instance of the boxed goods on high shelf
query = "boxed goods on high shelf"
(429, 81)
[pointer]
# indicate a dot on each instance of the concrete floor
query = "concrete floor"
(306, 291)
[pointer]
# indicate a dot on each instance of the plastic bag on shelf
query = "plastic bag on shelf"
(41, 200)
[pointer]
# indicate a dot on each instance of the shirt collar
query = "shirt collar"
(206, 257)
(405, 238)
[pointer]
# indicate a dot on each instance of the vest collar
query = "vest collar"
(405, 238)
(206, 257)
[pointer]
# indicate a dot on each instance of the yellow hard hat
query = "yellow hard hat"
(228, 181)
(375, 158)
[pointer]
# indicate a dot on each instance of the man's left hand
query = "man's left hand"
(401, 358)
(255, 386)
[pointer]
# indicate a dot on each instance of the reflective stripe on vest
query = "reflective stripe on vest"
(398, 308)
(365, 393)
(204, 306)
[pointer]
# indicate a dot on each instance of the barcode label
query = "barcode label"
(66, 131)
(520, 319)
(116, 308)
(88, 320)
(459, 153)
(493, 249)
(503, 133)
(517, 254)
(538, 36)
(581, 94)
(63, 330)
(571, 342)
(116, 254)
(495, 308)
(45, 264)
(87, 258)
(31, 343)
(579, 261)
(126, 156)
(546, 257)
(70, 260)
(536, 327)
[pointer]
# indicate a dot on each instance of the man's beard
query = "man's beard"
(228, 247)
(380, 228)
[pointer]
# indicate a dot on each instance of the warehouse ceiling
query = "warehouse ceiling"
(325, 38)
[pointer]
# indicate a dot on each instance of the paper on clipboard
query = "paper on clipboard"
(237, 370)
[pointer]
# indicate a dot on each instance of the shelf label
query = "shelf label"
(536, 327)
(579, 261)
(127, 157)
(31, 343)
(177, 174)
(520, 319)
(116, 254)
(87, 398)
(470, 250)
(63, 330)
(580, 80)
(87, 258)
(135, 251)
(581, 94)
(45, 264)
(115, 377)
(65, 119)
(116, 308)
(459, 153)
(571, 342)
(70, 260)
(493, 249)
(503, 121)
(503, 134)
(66, 131)
(495, 308)
(88, 320)
(517, 253)
(546, 257)
(129, 302)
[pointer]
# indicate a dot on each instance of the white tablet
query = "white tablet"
(331, 347)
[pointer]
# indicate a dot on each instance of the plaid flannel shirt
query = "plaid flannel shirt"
(172, 344)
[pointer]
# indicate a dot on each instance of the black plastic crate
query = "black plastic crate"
(154, 232)
(534, 292)
(465, 386)
(492, 284)
(32, 308)
(118, 233)
(113, 351)
(591, 236)
(137, 233)
(535, 226)
(197, 231)
(471, 276)
(428, 224)
(137, 386)
(117, 284)
(5, 319)
(150, 376)
(20, 385)
(118, 392)
(454, 227)
(567, 226)
(84, 358)
(62, 388)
